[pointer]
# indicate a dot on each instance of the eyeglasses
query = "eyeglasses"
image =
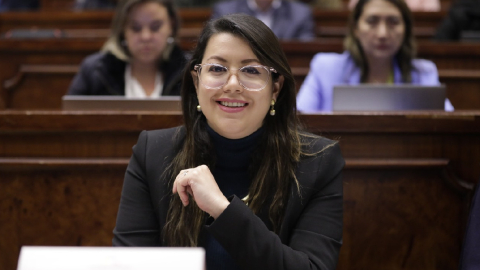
(252, 78)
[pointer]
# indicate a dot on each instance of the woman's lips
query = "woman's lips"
(232, 106)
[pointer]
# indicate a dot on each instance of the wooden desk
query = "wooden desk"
(43, 70)
(407, 181)
(329, 23)
(191, 18)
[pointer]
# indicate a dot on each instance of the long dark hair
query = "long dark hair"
(273, 167)
(404, 55)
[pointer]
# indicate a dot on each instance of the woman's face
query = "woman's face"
(232, 111)
(146, 31)
(380, 29)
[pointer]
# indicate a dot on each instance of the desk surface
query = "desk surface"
(406, 181)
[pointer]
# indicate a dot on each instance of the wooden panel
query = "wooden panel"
(51, 64)
(329, 23)
(389, 224)
(59, 207)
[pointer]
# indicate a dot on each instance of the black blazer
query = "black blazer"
(103, 74)
(310, 235)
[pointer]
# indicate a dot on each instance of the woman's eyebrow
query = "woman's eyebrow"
(216, 57)
(248, 61)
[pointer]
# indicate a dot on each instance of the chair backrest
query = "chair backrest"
(470, 257)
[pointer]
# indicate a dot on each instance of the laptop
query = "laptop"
(121, 103)
(468, 36)
(388, 97)
(110, 258)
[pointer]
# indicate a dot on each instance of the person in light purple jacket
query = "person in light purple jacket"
(379, 47)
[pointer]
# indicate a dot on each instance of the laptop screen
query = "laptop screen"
(387, 97)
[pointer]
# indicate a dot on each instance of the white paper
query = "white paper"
(110, 258)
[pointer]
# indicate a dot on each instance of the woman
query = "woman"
(140, 59)
(379, 49)
(240, 140)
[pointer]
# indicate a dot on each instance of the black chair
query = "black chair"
(470, 257)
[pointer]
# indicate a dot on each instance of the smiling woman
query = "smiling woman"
(232, 108)
(140, 59)
(379, 48)
(240, 178)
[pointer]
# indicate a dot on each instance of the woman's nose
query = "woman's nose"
(382, 30)
(233, 84)
(146, 34)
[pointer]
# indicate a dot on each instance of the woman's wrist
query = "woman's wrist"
(219, 208)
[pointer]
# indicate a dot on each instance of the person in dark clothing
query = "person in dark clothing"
(111, 4)
(19, 5)
(470, 256)
(464, 15)
(140, 59)
(95, 4)
(240, 178)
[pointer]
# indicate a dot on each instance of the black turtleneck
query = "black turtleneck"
(233, 157)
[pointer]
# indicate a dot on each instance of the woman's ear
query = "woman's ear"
(277, 86)
(195, 79)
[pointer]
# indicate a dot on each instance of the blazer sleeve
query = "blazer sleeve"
(315, 240)
(428, 73)
(310, 96)
(137, 224)
(81, 83)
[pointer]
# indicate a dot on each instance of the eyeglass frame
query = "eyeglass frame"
(270, 70)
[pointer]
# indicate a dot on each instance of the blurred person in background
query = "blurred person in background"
(464, 15)
(325, 4)
(19, 5)
(141, 57)
(111, 4)
(287, 19)
(195, 3)
(413, 5)
(379, 48)
(95, 4)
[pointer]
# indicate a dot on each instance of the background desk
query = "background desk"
(407, 181)
(329, 23)
(42, 69)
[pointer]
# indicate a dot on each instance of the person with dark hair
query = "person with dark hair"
(240, 178)
(287, 19)
(379, 48)
(19, 5)
(463, 17)
(140, 59)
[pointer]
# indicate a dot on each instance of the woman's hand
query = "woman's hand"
(200, 184)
